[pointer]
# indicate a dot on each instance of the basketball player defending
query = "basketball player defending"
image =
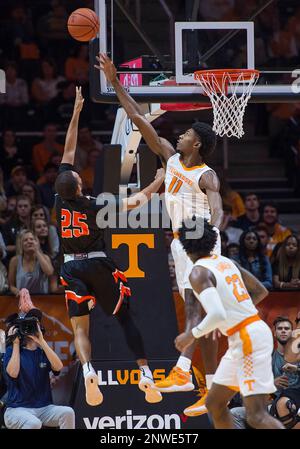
(247, 365)
(192, 188)
(87, 273)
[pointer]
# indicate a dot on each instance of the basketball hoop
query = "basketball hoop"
(229, 91)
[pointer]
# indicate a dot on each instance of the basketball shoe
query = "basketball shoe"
(177, 381)
(146, 384)
(93, 395)
(199, 407)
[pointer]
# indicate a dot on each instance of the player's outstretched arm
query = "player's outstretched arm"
(71, 137)
(141, 198)
(209, 182)
(158, 145)
(256, 289)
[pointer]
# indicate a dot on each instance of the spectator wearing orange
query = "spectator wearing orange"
(231, 198)
(286, 270)
(276, 231)
(85, 144)
(18, 178)
(30, 268)
(77, 66)
(43, 151)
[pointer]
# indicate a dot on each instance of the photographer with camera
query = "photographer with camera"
(28, 361)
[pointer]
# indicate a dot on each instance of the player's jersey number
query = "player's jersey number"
(175, 185)
(239, 289)
(73, 225)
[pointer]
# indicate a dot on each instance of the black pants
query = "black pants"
(98, 280)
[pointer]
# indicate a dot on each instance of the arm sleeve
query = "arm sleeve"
(216, 314)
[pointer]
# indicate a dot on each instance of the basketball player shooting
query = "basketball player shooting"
(224, 291)
(192, 188)
(87, 273)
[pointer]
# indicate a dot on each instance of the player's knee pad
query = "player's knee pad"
(291, 418)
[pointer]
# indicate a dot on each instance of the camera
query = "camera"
(24, 327)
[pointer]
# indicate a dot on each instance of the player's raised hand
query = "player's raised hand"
(107, 66)
(79, 100)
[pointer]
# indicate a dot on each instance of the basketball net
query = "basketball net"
(228, 104)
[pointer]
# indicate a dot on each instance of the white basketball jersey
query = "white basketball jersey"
(231, 288)
(183, 196)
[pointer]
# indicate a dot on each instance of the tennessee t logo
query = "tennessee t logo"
(249, 383)
(133, 241)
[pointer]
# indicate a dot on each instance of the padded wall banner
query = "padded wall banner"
(124, 406)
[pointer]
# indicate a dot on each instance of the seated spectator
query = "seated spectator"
(43, 151)
(85, 144)
(40, 229)
(233, 233)
(18, 178)
(10, 155)
(77, 66)
(287, 375)
(27, 363)
(20, 220)
(3, 279)
(40, 212)
(276, 231)
(231, 198)
(3, 252)
(251, 218)
(7, 213)
(30, 268)
(251, 258)
(224, 243)
(264, 238)
(30, 190)
(44, 88)
(3, 199)
(286, 270)
(233, 251)
(16, 97)
(46, 188)
(88, 173)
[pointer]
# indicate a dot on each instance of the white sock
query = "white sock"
(87, 369)
(209, 380)
(184, 363)
(146, 371)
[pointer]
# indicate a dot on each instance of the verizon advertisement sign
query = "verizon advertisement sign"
(124, 405)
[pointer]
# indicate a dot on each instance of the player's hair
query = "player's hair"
(66, 185)
(207, 138)
(281, 319)
(203, 245)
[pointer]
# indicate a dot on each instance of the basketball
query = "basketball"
(83, 24)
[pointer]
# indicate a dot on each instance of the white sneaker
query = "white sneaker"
(93, 394)
(146, 385)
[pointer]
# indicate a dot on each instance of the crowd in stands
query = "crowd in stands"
(257, 241)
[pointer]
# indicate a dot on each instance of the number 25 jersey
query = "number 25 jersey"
(77, 226)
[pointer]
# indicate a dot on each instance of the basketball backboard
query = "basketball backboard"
(157, 45)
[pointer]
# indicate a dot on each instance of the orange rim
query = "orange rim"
(177, 107)
(226, 76)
